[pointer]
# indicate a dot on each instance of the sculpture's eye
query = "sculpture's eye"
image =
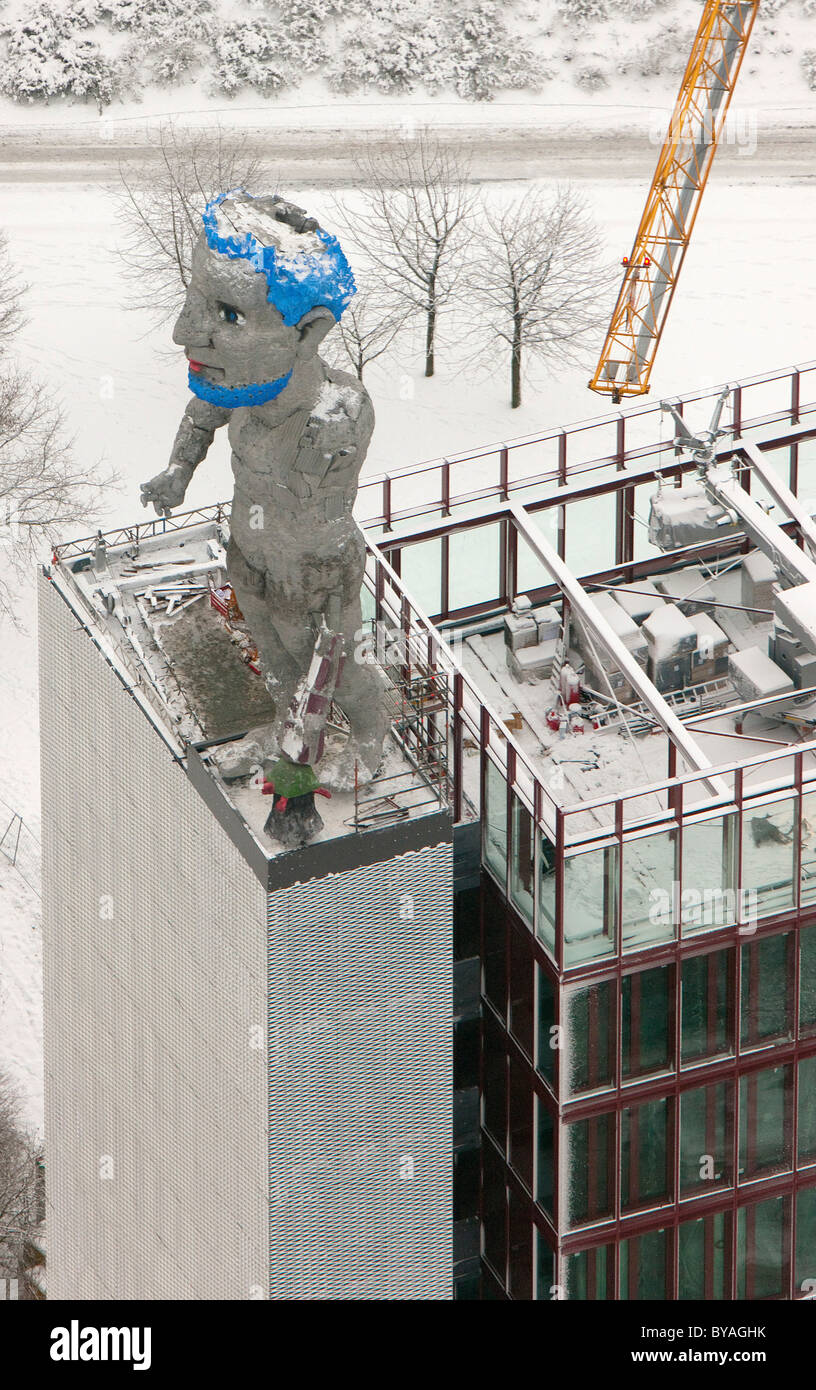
(229, 314)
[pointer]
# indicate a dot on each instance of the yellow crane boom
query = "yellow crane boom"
(652, 271)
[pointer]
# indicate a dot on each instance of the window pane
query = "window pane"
(705, 1138)
(494, 1210)
(709, 875)
(769, 857)
(765, 1122)
(545, 1052)
(590, 538)
(588, 1049)
(545, 1268)
(531, 573)
(494, 1098)
(767, 990)
(807, 980)
(544, 1166)
(644, 1154)
(521, 987)
(648, 890)
(473, 575)
(588, 1274)
(805, 1272)
(643, 1266)
(589, 1157)
(522, 860)
(520, 1260)
(806, 486)
(706, 994)
(808, 847)
(521, 1123)
(648, 1012)
(590, 900)
(545, 859)
(495, 821)
(760, 1249)
(703, 1258)
(807, 1110)
(421, 572)
(494, 922)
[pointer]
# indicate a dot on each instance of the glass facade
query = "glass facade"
(663, 1018)
(678, 1087)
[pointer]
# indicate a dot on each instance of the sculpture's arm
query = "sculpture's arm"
(194, 436)
(329, 458)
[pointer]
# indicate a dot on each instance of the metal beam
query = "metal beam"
(781, 493)
(792, 564)
(609, 640)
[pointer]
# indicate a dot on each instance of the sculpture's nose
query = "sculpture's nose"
(193, 327)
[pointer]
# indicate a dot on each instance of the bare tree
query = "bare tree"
(160, 207)
(410, 225)
(367, 330)
(21, 1198)
(537, 281)
(11, 295)
(41, 489)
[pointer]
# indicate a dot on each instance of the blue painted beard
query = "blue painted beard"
(232, 397)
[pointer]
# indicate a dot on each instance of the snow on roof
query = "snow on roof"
(639, 601)
(755, 675)
(668, 631)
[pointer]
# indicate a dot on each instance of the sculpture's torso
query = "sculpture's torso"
(295, 484)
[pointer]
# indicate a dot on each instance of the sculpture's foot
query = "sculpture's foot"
(293, 822)
(337, 769)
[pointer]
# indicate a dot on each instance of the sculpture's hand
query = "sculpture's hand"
(167, 489)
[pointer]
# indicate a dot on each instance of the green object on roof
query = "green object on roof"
(292, 779)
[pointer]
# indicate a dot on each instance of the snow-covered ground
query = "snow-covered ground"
(628, 55)
(743, 308)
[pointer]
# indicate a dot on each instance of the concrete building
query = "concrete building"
(248, 1054)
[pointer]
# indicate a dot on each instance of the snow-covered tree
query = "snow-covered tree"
(47, 56)
(42, 490)
(261, 53)
(367, 330)
(483, 56)
(152, 16)
(416, 199)
(396, 46)
(22, 1209)
(537, 282)
(583, 12)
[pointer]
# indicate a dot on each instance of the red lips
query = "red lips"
(194, 366)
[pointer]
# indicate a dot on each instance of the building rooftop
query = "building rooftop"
(155, 598)
(529, 624)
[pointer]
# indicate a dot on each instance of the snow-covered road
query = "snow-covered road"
(754, 150)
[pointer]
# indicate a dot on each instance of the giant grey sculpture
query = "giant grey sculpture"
(267, 284)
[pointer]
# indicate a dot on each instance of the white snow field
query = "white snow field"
(743, 307)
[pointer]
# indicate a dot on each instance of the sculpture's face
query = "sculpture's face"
(232, 336)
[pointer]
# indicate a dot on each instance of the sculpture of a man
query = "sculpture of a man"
(266, 286)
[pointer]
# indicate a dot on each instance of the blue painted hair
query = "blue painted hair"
(296, 284)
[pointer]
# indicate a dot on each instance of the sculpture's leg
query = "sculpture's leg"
(284, 649)
(362, 696)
